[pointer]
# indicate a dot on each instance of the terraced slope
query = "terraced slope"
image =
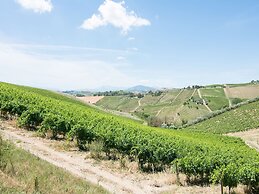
(215, 98)
(240, 119)
(219, 158)
(170, 107)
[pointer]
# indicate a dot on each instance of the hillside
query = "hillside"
(194, 154)
(239, 119)
(180, 106)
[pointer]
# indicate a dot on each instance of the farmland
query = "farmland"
(239, 119)
(244, 92)
(171, 106)
(206, 156)
(179, 106)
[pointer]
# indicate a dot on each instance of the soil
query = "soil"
(108, 174)
(91, 99)
(250, 137)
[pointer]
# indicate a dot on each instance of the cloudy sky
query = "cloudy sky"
(64, 44)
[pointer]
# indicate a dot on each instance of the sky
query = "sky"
(85, 44)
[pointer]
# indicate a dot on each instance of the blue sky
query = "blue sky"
(64, 44)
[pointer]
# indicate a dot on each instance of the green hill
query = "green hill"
(219, 158)
(239, 119)
(176, 107)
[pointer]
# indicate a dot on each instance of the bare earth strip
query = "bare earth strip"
(250, 137)
(139, 104)
(113, 181)
(226, 90)
(245, 92)
(91, 99)
(204, 103)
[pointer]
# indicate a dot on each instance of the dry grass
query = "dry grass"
(26, 173)
(91, 99)
(244, 92)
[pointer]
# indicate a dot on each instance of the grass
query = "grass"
(26, 173)
(170, 107)
(242, 118)
(215, 97)
(240, 84)
(151, 105)
(111, 102)
(217, 103)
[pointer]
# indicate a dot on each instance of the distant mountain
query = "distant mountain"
(141, 89)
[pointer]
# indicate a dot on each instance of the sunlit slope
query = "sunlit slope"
(172, 106)
(215, 97)
(196, 154)
(240, 119)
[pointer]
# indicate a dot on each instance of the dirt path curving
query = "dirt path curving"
(204, 102)
(139, 104)
(114, 181)
(226, 90)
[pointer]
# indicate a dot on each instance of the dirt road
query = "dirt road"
(88, 169)
(226, 90)
(204, 103)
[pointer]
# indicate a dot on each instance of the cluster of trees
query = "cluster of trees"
(126, 93)
(155, 93)
(212, 158)
(119, 93)
(77, 93)
(255, 82)
(193, 87)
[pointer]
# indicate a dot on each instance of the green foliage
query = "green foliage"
(215, 97)
(240, 117)
(196, 153)
(236, 101)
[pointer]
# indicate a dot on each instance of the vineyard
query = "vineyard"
(239, 119)
(210, 157)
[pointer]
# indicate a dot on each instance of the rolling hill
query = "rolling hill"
(241, 118)
(180, 106)
(221, 159)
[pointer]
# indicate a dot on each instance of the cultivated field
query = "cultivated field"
(244, 92)
(178, 106)
(90, 99)
(215, 97)
(242, 118)
(203, 158)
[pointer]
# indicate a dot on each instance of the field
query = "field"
(209, 157)
(244, 92)
(21, 172)
(178, 106)
(215, 97)
(172, 106)
(90, 99)
(239, 119)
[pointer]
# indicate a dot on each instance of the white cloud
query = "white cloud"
(115, 14)
(48, 71)
(120, 58)
(38, 6)
(131, 38)
(133, 49)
